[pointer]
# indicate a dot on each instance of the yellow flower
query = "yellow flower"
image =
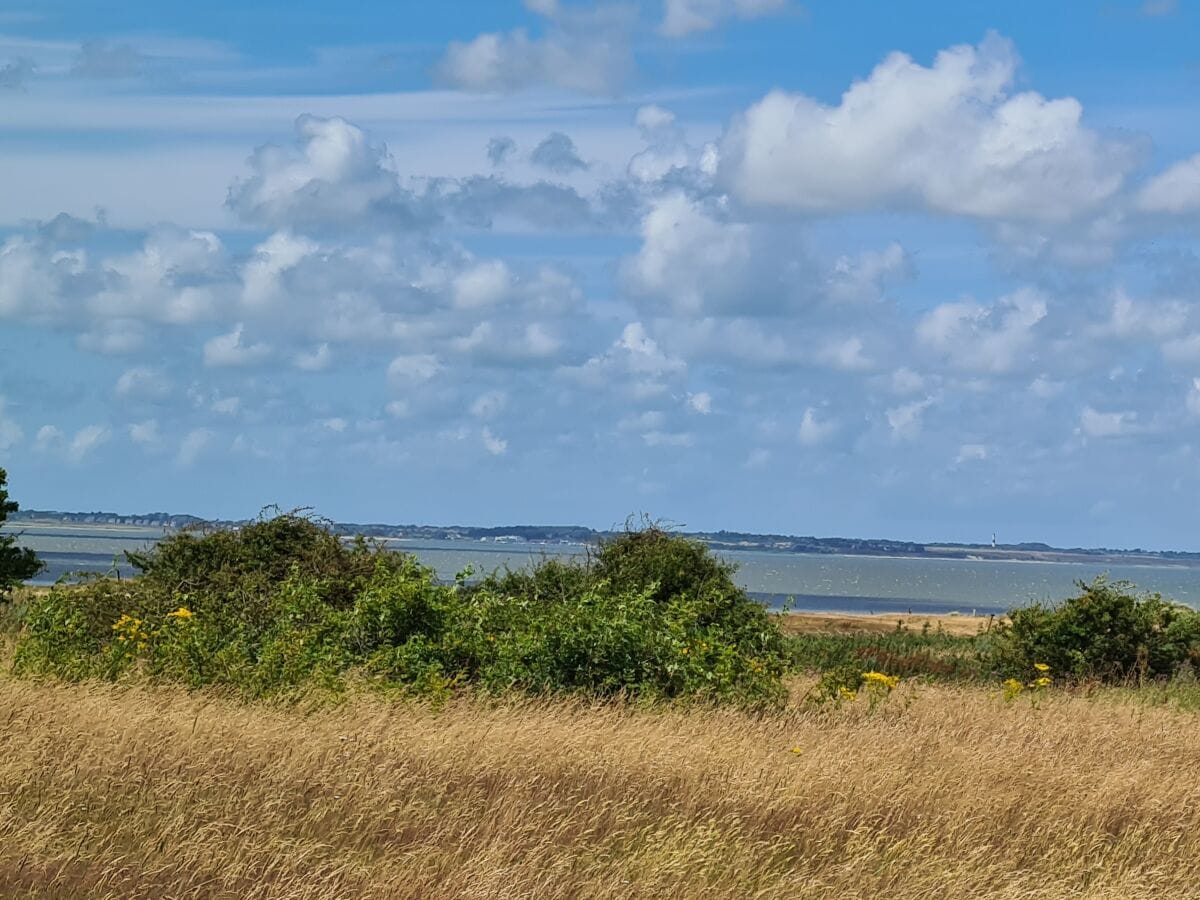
(846, 693)
(885, 681)
(796, 750)
(1042, 682)
(1041, 667)
(1012, 688)
(182, 613)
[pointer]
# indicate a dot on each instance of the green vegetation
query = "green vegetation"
(1108, 632)
(17, 564)
(928, 653)
(283, 604)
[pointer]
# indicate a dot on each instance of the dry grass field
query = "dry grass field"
(837, 623)
(130, 792)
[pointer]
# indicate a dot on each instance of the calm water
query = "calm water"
(825, 583)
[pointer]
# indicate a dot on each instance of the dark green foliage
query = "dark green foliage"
(1108, 631)
(17, 564)
(283, 604)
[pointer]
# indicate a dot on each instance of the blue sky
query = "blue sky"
(924, 271)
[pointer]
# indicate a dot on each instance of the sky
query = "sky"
(925, 271)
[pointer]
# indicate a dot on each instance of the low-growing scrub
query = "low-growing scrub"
(1108, 632)
(283, 604)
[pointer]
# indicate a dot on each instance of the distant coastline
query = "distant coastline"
(525, 535)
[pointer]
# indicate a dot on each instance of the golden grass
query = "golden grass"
(115, 792)
(840, 623)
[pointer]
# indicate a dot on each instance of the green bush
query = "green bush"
(1109, 631)
(17, 564)
(283, 604)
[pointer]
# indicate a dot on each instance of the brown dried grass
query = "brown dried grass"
(133, 792)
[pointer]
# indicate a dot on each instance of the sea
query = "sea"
(811, 583)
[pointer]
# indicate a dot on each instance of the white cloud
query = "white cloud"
(974, 337)
(86, 440)
(700, 403)
(143, 382)
(193, 445)
(684, 17)
(483, 285)
(813, 431)
(1044, 388)
(1193, 398)
(146, 433)
(228, 350)
(316, 360)
(335, 175)
(690, 261)
(583, 49)
(489, 405)
(1175, 191)
(557, 154)
(844, 354)
(1095, 424)
(1132, 319)
(494, 445)
(906, 420)
(971, 453)
(951, 138)
(635, 363)
(412, 369)
(49, 437)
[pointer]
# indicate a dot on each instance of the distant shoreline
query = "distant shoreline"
(529, 538)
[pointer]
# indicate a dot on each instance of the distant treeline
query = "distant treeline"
(578, 534)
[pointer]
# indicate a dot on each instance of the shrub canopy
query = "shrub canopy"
(283, 603)
(1108, 631)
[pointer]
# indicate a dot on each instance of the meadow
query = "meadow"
(131, 791)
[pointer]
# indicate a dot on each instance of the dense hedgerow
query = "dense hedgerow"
(1108, 632)
(283, 604)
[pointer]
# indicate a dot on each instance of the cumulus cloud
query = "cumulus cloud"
(634, 359)
(494, 445)
(413, 369)
(1175, 191)
(976, 337)
(146, 433)
(142, 383)
(583, 49)
(227, 350)
(971, 453)
(489, 404)
(950, 138)
(335, 175)
(814, 431)
(692, 260)
(684, 17)
(557, 154)
(700, 403)
(907, 420)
